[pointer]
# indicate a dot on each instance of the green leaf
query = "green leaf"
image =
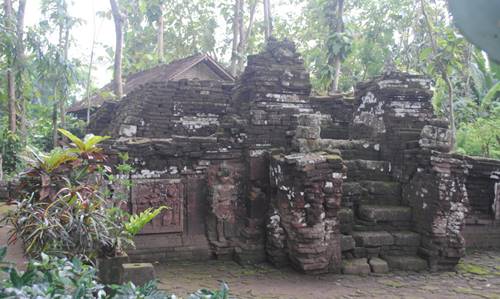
(28, 277)
(495, 69)
(3, 252)
(55, 158)
(492, 94)
(92, 141)
(15, 279)
(136, 222)
(77, 141)
(123, 156)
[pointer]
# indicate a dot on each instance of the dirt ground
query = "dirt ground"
(478, 276)
(14, 251)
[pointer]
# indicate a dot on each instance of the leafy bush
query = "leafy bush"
(67, 206)
(53, 277)
(10, 146)
(147, 291)
(41, 127)
(482, 137)
(223, 293)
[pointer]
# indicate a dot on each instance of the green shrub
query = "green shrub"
(147, 291)
(481, 138)
(53, 277)
(10, 147)
(67, 208)
(223, 293)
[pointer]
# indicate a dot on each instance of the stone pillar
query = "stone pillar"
(251, 248)
(273, 89)
(303, 226)
(438, 196)
(496, 200)
(268, 97)
(392, 110)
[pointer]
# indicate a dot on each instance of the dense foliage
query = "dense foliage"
(413, 36)
(52, 277)
(70, 204)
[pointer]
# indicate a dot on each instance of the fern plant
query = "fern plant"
(137, 221)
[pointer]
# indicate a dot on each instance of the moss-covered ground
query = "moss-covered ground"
(477, 276)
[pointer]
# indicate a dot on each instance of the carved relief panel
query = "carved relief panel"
(154, 193)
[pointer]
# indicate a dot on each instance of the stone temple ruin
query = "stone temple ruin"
(260, 170)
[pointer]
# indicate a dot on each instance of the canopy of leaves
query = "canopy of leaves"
(376, 33)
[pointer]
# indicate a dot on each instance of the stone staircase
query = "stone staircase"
(375, 222)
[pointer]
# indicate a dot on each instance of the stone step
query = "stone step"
(356, 266)
(405, 243)
(395, 250)
(379, 213)
(406, 263)
(406, 238)
(381, 192)
(347, 243)
(373, 238)
(346, 219)
(370, 226)
(352, 192)
(368, 170)
(378, 265)
(371, 192)
(382, 201)
(352, 149)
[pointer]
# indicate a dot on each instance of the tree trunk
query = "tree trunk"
(117, 74)
(268, 22)
(54, 122)
(161, 58)
(11, 84)
(241, 34)
(451, 108)
(336, 75)
(244, 36)
(58, 84)
(236, 30)
(91, 62)
(444, 74)
(20, 65)
(64, 89)
(339, 28)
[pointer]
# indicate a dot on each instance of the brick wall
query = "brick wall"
(255, 170)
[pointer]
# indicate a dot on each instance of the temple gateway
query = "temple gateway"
(259, 170)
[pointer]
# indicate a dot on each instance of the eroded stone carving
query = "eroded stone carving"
(154, 193)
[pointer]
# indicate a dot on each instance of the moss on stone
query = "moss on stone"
(333, 157)
(473, 269)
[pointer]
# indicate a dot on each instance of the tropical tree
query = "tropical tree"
(9, 38)
(267, 19)
(179, 29)
(338, 42)
(118, 18)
